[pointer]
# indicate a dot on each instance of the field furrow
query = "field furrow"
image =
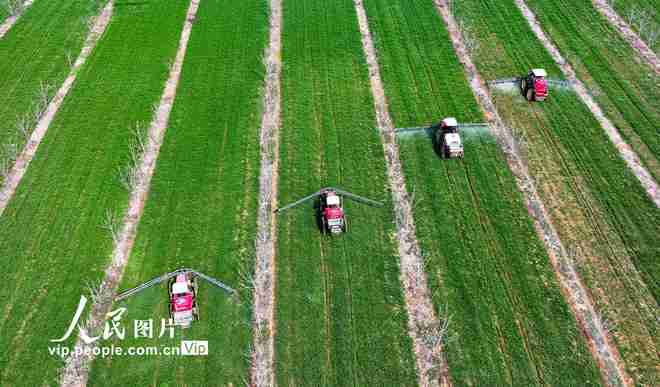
(600, 211)
(487, 268)
(425, 328)
(340, 314)
(263, 364)
(53, 229)
(201, 211)
(10, 12)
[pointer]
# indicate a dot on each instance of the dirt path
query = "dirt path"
(27, 154)
(628, 34)
(577, 296)
(263, 357)
(77, 367)
(626, 152)
(12, 19)
(423, 324)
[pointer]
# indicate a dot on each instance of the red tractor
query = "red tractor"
(182, 290)
(332, 213)
(183, 299)
(534, 86)
(330, 210)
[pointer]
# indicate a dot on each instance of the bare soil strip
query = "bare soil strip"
(12, 19)
(604, 7)
(600, 344)
(27, 154)
(423, 325)
(263, 357)
(76, 370)
(626, 152)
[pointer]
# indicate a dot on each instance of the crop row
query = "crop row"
(53, 230)
(201, 211)
(626, 89)
(340, 314)
(34, 58)
(598, 207)
(487, 268)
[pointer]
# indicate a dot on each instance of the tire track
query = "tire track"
(423, 324)
(263, 357)
(626, 152)
(29, 151)
(76, 371)
(577, 296)
(630, 36)
(11, 20)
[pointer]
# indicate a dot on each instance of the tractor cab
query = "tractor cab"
(448, 138)
(183, 309)
(535, 85)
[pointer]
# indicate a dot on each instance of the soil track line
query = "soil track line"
(626, 152)
(577, 296)
(11, 20)
(27, 154)
(628, 34)
(423, 324)
(76, 371)
(263, 357)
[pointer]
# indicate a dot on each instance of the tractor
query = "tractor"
(534, 86)
(447, 138)
(182, 289)
(445, 135)
(183, 299)
(330, 213)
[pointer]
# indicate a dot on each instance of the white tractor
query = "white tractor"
(448, 139)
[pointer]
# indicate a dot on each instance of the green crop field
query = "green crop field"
(201, 211)
(487, 268)
(340, 313)
(34, 61)
(52, 232)
(599, 208)
(626, 90)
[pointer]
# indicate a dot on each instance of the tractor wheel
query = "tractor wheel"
(324, 227)
(345, 224)
(530, 95)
